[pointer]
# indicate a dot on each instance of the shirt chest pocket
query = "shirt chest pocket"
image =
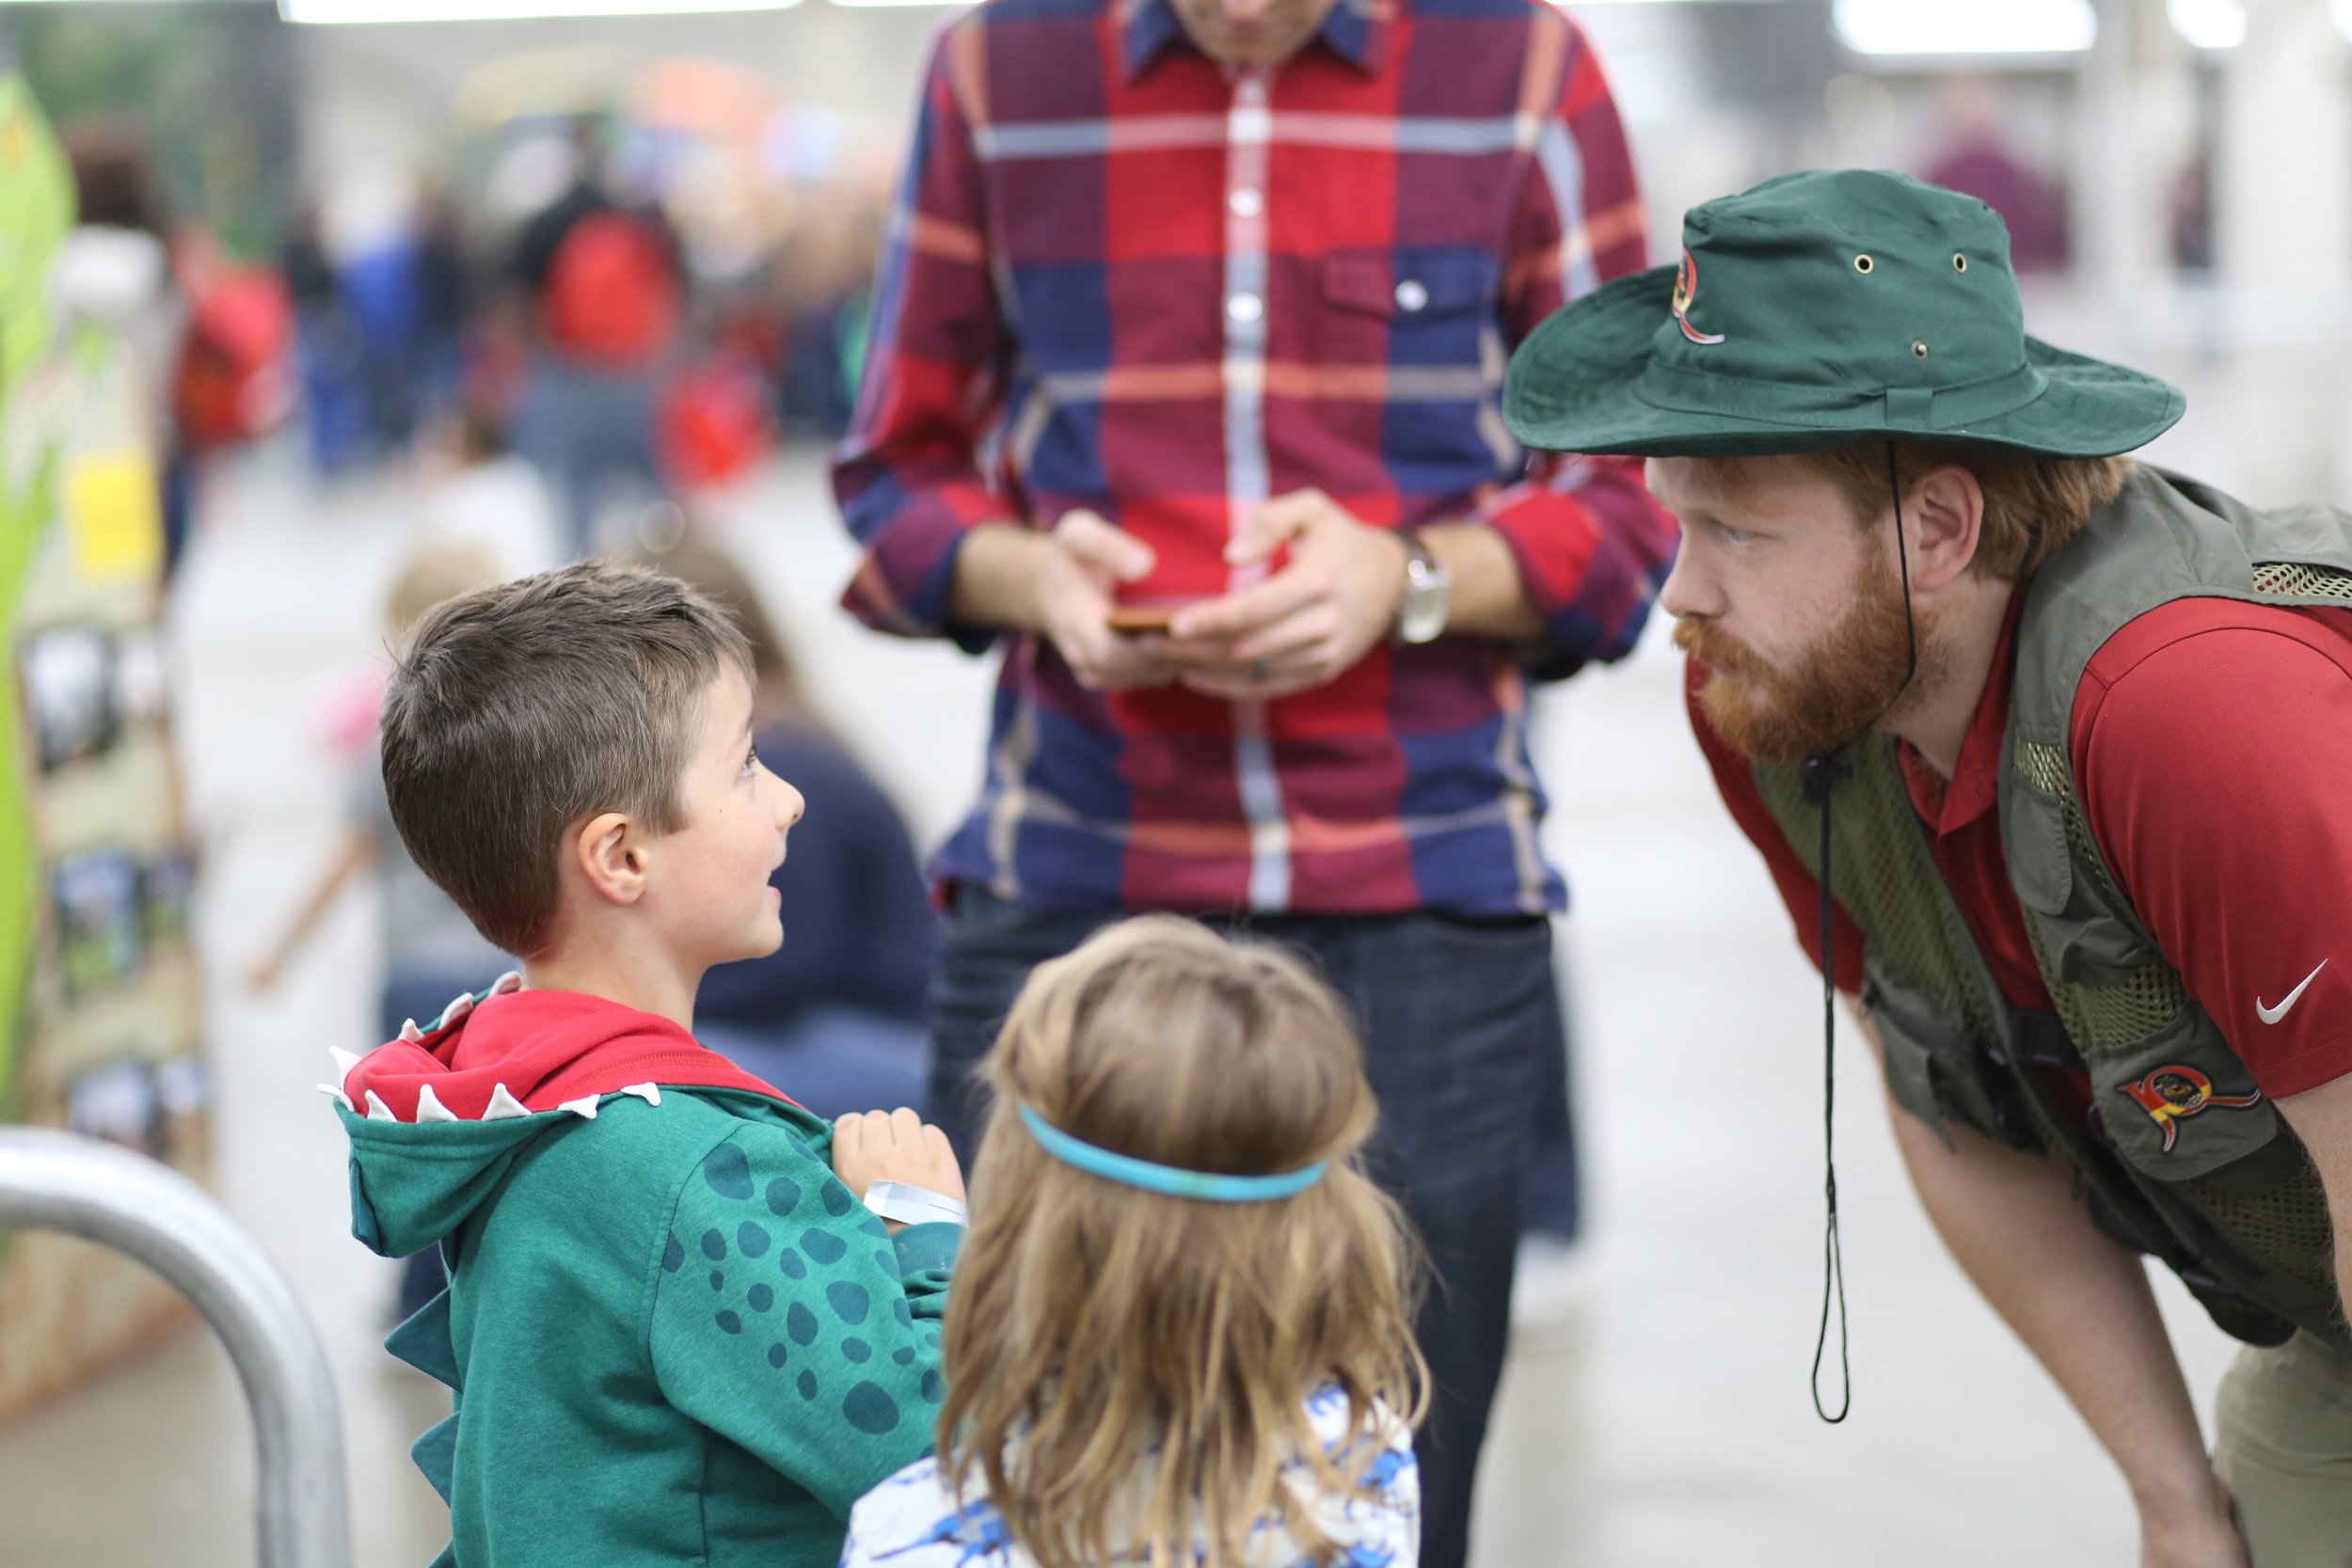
(1429, 311)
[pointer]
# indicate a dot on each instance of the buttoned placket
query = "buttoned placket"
(1249, 145)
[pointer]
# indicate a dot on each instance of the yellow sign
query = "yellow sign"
(114, 514)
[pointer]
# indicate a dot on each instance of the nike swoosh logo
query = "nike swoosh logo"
(2272, 1015)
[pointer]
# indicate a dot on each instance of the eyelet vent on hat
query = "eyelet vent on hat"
(1863, 264)
(1959, 262)
(1918, 349)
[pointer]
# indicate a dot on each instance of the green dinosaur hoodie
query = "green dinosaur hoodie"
(673, 1335)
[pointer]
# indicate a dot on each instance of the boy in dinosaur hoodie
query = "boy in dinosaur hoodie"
(675, 1332)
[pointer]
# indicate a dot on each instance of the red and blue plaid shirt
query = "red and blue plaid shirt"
(1120, 276)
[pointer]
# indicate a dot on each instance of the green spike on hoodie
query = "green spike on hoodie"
(673, 1335)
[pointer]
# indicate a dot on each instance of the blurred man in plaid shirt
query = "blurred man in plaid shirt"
(1194, 316)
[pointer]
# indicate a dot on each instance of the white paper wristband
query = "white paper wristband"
(912, 1205)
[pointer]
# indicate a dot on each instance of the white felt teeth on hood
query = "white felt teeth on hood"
(506, 983)
(378, 1110)
(646, 1092)
(458, 1007)
(503, 1105)
(585, 1106)
(411, 1033)
(344, 1060)
(429, 1107)
(337, 1091)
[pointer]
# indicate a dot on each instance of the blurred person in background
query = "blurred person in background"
(480, 493)
(834, 1017)
(1980, 159)
(606, 289)
(432, 953)
(327, 345)
(445, 298)
(383, 290)
(825, 275)
(2045, 751)
(1193, 310)
(116, 267)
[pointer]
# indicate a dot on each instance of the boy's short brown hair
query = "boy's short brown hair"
(520, 710)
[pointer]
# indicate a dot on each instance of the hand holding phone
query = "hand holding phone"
(1136, 620)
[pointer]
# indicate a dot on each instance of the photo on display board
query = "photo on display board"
(100, 921)
(119, 1101)
(69, 675)
(142, 676)
(182, 1086)
(166, 886)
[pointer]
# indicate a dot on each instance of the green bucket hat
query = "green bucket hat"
(1817, 311)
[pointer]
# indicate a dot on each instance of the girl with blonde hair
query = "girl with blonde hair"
(1180, 1325)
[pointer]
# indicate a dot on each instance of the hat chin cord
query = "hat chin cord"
(1822, 776)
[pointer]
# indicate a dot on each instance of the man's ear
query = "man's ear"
(609, 852)
(1943, 522)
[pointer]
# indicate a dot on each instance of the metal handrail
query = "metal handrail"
(53, 1181)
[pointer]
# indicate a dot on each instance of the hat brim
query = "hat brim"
(1575, 386)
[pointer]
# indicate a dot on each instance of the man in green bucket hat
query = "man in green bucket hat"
(2050, 755)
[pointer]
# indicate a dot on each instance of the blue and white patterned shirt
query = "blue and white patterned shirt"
(911, 1520)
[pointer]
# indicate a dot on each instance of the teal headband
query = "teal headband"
(1128, 1171)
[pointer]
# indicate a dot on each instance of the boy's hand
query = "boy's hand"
(894, 1145)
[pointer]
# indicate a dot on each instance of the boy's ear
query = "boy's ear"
(608, 851)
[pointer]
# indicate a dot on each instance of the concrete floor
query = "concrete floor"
(1665, 1421)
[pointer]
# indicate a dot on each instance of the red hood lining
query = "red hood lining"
(532, 1051)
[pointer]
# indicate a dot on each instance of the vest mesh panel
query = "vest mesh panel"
(2286, 1226)
(2296, 580)
(2045, 768)
(2099, 1018)
(2122, 1014)
(1887, 878)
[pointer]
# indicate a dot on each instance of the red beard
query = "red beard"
(1826, 695)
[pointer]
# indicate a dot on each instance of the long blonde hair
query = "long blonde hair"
(1095, 1328)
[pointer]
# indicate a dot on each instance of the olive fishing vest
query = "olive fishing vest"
(2181, 1157)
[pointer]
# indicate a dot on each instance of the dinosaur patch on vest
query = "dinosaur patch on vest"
(2172, 1094)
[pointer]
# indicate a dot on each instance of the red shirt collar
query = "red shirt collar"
(1975, 786)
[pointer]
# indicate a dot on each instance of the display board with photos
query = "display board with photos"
(99, 1017)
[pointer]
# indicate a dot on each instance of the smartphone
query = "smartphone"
(1134, 620)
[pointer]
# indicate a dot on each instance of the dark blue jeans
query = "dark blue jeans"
(1457, 1017)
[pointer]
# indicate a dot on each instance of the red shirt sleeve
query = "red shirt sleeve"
(908, 474)
(1735, 780)
(2213, 752)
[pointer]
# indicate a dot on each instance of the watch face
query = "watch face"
(1426, 599)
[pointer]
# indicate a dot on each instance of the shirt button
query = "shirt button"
(1411, 294)
(1245, 308)
(1248, 201)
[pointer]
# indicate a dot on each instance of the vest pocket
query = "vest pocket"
(1934, 1069)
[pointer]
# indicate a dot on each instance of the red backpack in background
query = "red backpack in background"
(712, 425)
(611, 294)
(231, 383)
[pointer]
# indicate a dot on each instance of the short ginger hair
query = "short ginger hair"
(2032, 505)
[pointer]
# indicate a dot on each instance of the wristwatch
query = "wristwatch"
(1428, 593)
